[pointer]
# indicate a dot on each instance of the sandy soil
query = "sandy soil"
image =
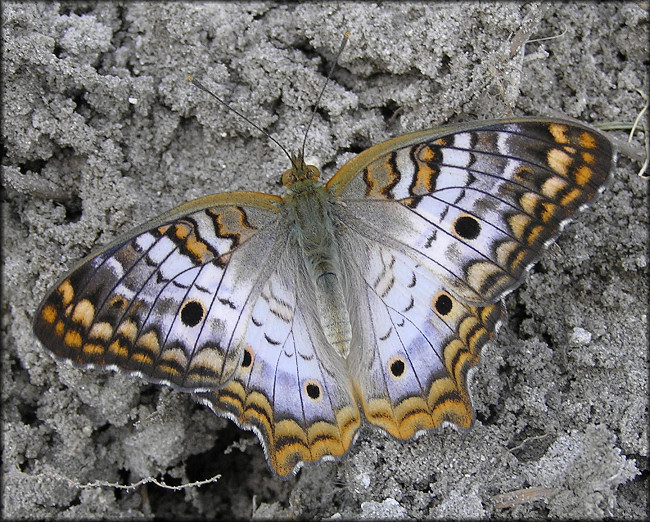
(102, 131)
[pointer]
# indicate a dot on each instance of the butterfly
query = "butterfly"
(368, 296)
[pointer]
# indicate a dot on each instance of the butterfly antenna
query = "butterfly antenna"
(346, 37)
(198, 84)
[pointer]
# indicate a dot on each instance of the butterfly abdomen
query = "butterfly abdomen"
(309, 210)
(333, 312)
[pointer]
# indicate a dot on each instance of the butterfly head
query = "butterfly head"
(299, 171)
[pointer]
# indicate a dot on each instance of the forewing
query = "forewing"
(171, 300)
(477, 203)
(290, 388)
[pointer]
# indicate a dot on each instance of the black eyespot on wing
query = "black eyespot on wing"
(467, 227)
(443, 304)
(248, 359)
(313, 390)
(397, 367)
(191, 313)
(117, 303)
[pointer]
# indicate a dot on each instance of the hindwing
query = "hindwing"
(291, 387)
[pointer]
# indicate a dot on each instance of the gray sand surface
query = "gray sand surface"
(102, 131)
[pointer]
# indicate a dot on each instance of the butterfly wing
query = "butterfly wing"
(170, 301)
(291, 388)
(212, 299)
(478, 203)
(414, 343)
(439, 225)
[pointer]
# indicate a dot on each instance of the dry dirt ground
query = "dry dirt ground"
(102, 131)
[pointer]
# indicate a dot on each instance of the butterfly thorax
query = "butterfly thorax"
(309, 212)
